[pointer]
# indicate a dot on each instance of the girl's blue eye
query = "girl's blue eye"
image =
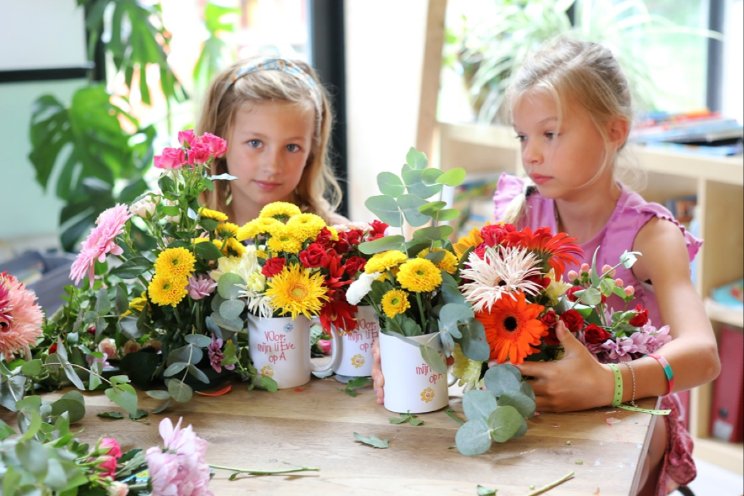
(293, 148)
(551, 135)
(254, 143)
(521, 137)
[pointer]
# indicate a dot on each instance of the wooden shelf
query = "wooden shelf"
(726, 455)
(724, 314)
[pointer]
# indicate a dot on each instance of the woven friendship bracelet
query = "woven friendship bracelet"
(617, 396)
(668, 372)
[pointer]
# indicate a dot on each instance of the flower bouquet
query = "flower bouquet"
(413, 284)
(160, 301)
(514, 280)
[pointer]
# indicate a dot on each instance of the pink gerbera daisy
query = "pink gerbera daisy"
(20, 316)
(100, 242)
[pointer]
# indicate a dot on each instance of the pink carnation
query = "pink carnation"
(187, 137)
(179, 468)
(217, 146)
(20, 316)
(100, 242)
(171, 158)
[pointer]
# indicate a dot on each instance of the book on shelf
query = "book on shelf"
(711, 133)
(474, 199)
(730, 295)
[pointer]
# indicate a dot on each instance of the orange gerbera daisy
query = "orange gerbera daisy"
(512, 328)
(556, 250)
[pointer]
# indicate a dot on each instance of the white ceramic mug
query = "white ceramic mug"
(279, 348)
(354, 356)
(410, 383)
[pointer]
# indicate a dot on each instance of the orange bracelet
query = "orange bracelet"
(668, 372)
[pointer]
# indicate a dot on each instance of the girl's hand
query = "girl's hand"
(575, 382)
(377, 378)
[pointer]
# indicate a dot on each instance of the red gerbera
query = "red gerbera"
(557, 250)
(513, 328)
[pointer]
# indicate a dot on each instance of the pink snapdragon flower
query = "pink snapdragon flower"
(179, 468)
(20, 316)
(100, 242)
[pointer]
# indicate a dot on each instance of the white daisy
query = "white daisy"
(501, 271)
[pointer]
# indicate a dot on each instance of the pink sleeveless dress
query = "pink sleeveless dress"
(631, 213)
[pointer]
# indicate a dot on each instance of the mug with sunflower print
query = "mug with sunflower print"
(354, 358)
(279, 348)
(411, 384)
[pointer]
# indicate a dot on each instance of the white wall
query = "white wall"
(384, 54)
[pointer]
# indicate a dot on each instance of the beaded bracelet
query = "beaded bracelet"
(633, 377)
(668, 372)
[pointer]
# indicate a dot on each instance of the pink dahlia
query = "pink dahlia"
(100, 242)
(20, 316)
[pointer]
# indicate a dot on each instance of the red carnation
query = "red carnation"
(272, 266)
(570, 294)
(378, 230)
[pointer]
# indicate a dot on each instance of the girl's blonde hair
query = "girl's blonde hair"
(262, 80)
(580, 72)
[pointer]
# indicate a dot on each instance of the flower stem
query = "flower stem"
(265, 472)
(550, 486)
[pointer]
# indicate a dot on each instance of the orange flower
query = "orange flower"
(558, 250)
(512, 328)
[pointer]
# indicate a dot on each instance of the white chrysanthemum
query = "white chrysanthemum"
(243, 266)
(501, 271)
(359, 288)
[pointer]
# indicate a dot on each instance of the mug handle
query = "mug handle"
(320, 370)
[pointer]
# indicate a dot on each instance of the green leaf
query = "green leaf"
(179, 391)
(629, 258)
(473, 342)
(452, 177)
(409, 205)
(231, 309)
(114, 415)
(373, 441)
(33, 457)
(473, 437)
(432, 233)
(230, 285)
(434, 358)
(125, 396)
(447, 214)
(132, 268)
(139, 414)
(521, 402)
(174, 368)
(500, 379)
(32, 368)
(430, 175)
(74, 407)
(393, 242)
(485, 491)
(416, 159)
(207, 251)
(385, 208)
(590, 296)
(198, 374)
(478, 404)
(357, 383)
(431, 208)
(390, 184)
(199, 340)
(505, 422)
(158, 394)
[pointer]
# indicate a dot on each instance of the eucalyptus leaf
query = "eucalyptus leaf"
(125, 396)
(230, 285)
(452, 177)
(393, 242)
(390, 184)
(409, 205)
(499, 379)
(230, 310)
(505, 422)
(174, 368)
(33, 457)
(199, 340)
(385, 208)
(416, 159)
(373, 441)
(433, 233)
(478, 404)
(179, 391)
(198, 374)
(473, 437)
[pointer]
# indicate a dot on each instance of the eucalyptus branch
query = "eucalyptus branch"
(236, 471)
(552, 485)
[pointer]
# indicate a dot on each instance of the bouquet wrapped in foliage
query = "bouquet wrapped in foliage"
(413, 283)
(160, 297)
(515, 281)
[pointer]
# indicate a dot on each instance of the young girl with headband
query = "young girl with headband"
(277, 119)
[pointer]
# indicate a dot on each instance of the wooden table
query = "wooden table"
(314, 426)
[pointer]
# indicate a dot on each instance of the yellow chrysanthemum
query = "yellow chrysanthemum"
(233, 248)
(447, 263)
(419, 275)
(164, 290)
(334, 233)
(556, 288)
(281, 211)
(175, 262)
(473, 238)
(386, 260)
(227, 230)
(199, 240)
(260, 225)
(208, 213)
(136, 305)
(395, 302)
(306, 226)
(297, 291)
(283, 240)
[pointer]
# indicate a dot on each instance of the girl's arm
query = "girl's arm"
(692, 353)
